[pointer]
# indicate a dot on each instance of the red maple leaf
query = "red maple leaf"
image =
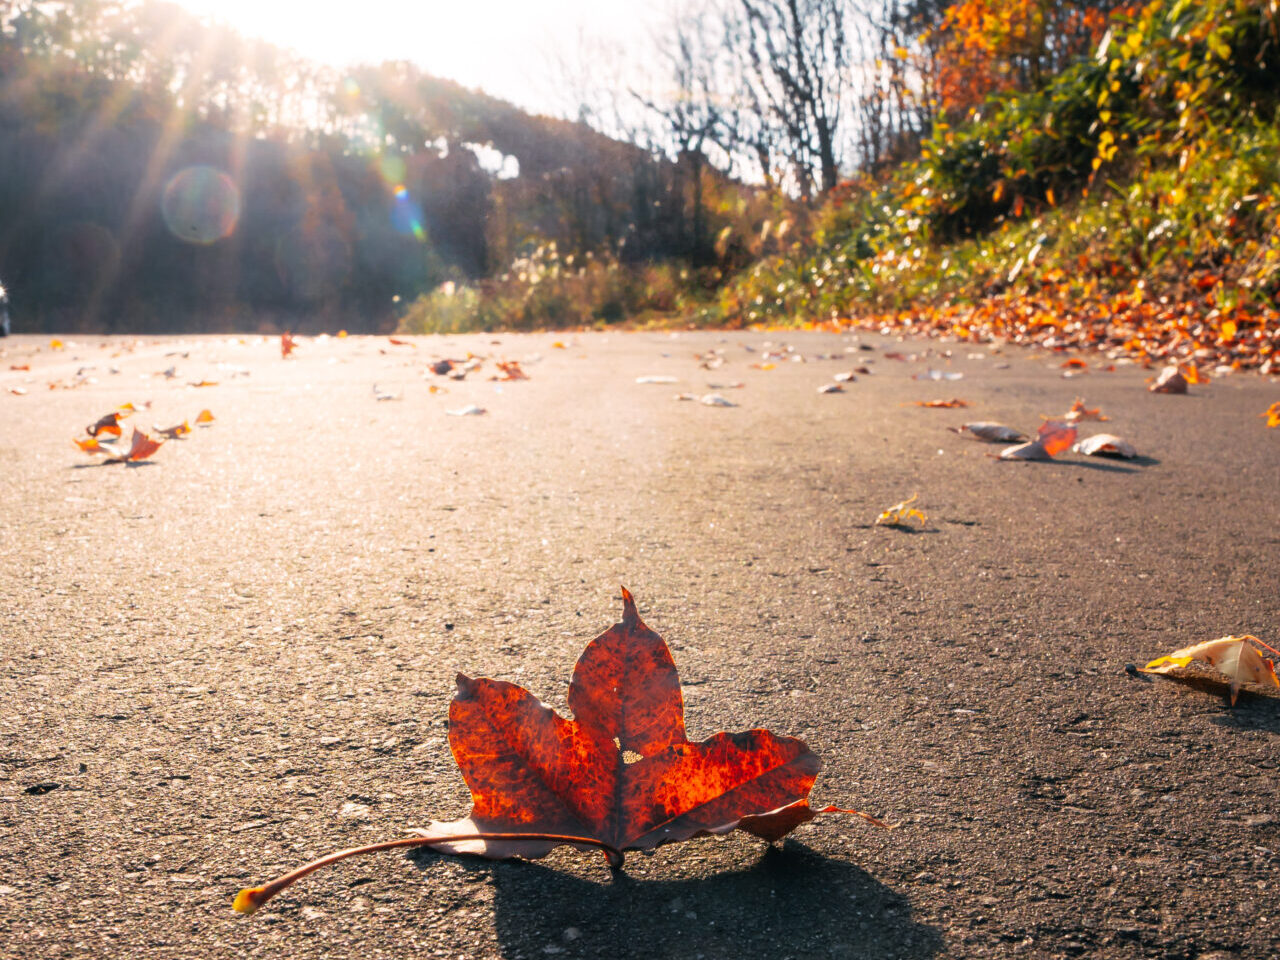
(620, 776)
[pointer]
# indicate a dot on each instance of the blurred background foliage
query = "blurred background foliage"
(798, 161)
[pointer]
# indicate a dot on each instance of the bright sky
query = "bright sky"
(508, 48)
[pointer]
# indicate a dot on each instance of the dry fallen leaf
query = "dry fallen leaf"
(990, 432)
(471, 410)
(716, 400)
(942, 404)
(204, 418)
(287, 343)
(176, 432)
(108, 423)
(510, 370)
(1193, 374)
(901, 514)
(831, 388)
(397, 342)
(1273, 415)
(1052, 438)
(1233, 657)
(1170, 380)
(620, 776)
(18, 391)
(141, 447)
(203, 383)
(91, 446)
(1106, 445)
(846, 376)
(1079, 412)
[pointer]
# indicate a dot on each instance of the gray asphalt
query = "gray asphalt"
(219, 665)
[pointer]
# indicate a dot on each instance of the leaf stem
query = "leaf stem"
(250, 899)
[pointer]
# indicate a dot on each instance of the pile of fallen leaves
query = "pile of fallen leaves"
(1125, 325)
(620, 776)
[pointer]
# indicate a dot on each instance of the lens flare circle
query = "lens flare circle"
(200, 205)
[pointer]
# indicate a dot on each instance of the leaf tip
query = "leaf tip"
(248, 900)
(466, 685)
(629, 615)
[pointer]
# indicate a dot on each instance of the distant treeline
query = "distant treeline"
(164, 174)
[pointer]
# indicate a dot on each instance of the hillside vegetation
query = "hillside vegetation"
(1134, 201)
(1128, 199)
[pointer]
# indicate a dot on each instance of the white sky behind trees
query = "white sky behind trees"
(512, 49)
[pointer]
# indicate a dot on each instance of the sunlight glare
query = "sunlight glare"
(504, 47)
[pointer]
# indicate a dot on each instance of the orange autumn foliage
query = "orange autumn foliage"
(987, 47)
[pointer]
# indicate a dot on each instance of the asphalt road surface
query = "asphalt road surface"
(221, 664)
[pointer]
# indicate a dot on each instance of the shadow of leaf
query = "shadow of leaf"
(792, 902)
(1254, 710)
(1105, 465)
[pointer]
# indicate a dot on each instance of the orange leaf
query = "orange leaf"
(942, 404)
(1273, 415)
(395, 342)
(176, 432)
(108, 423)
(620, 776)
(1192, 374)
(204, 417)
(510, 370)
(141, 447)
(1079, 412)
(287, 343)
(1052, 438)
